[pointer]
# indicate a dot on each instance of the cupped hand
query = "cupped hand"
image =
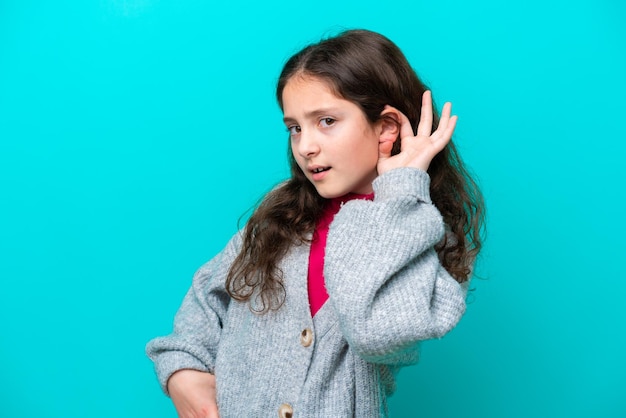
(417, 151)
(193, 394)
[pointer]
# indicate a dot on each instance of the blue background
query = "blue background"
(135, 133)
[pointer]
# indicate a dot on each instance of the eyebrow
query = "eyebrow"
(314, 114)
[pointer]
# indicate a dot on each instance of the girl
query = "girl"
(339, 273)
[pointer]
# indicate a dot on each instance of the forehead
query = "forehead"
(301, 84)
(305, 94)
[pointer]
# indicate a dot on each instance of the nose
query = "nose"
(308, 144)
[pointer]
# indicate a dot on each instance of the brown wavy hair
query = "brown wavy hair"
(369, 70)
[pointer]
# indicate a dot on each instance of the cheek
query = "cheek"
(369, 149)
(365, 159)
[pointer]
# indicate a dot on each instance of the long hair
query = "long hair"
(369, 70)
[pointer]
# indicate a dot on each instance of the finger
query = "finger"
(446, 134)
(444, 120)
(406, 129)
(425, 126)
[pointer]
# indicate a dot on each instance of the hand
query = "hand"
(417, 150)
(193, 394)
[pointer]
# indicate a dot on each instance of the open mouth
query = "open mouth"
(319, 170)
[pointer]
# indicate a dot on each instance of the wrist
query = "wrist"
(403, 181)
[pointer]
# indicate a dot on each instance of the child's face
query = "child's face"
(331, 139)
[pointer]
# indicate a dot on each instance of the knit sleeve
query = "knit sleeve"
(198, 322)
(383, 275)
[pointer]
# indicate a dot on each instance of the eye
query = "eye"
(326, 122)
(293, 130)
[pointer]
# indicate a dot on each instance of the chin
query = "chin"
(330, 194)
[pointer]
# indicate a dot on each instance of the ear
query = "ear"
(389, 124)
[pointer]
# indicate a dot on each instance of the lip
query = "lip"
(319, 175)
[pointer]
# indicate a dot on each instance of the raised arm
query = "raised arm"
(383, 275)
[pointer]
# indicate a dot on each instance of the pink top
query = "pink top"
(317, 290)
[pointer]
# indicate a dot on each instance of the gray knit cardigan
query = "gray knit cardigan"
(387, 291)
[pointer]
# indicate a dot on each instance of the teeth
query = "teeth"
(318, 170)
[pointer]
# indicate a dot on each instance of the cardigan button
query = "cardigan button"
(306, 337)
(285, 411)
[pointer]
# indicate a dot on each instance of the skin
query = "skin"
(332, 134)
(417, 151)
(193, 394)
(328, 131)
